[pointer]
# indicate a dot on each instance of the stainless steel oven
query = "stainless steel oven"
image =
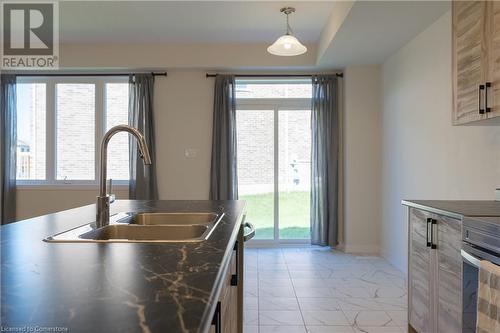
(481, 241)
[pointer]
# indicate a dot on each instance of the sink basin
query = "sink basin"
(173, 218)
(144, 228)
(132, 232)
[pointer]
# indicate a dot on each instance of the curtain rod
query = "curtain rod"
(273, 75)
(90, 74)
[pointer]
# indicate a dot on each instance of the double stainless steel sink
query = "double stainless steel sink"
(144, 228)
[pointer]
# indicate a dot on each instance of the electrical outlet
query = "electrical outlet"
(497, 194)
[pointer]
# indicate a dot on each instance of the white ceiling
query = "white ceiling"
(188, 21)
(374, 30)
(370, 32)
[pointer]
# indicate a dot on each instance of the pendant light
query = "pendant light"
(287, 45)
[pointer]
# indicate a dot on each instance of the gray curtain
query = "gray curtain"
(143, 184)
(223, 173)
(324, 161)
(8, 143)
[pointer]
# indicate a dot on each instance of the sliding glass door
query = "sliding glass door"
(274, 159)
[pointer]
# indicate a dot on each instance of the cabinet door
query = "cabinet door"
(419, 310)
(229, 301)
(469, 59)
(494, 60)
(449, 275)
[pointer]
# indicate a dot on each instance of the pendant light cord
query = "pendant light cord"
(288, 28)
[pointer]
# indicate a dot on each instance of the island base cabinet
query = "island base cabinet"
(434, 273)
(228, 303)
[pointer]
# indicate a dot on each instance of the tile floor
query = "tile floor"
(316, 290)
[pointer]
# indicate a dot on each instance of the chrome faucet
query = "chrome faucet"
(104, 199)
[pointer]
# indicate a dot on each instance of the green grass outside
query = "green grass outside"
(294, 210)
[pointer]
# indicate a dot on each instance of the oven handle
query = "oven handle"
(470, 258)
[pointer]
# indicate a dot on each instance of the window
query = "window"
(273, 121)
(61, 121)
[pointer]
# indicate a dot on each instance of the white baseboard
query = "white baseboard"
(362, 249)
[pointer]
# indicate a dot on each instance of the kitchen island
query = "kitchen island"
(116, 287)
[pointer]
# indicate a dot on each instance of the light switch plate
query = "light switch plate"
(190, 152)
(497, 194)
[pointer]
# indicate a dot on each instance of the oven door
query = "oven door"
(471, 257)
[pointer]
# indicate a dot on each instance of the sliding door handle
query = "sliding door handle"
(488, 86)
(481, 89)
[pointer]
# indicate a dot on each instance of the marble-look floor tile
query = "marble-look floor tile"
(271, 283)
(278, 318)
(265, 266)
(357, 304)
(386, 291)
(282, 329)
(251, 283)
(377, 329)
(313, 292)
(399, 317)
(349, 292)
(310, 274)
(251, 291)
(317, 290)
(250, 329)
(317, 303)
(392, 303)
(369, 318)
(251, 303)
(308, 282)
(273, 274)
(324, 318)
(276, 292)
(250, 317)
(329, 329)
(278, 303)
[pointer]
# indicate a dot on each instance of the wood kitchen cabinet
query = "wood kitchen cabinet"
(419, 310)
(434, 273)
(449, 275)
(227, 306)
(476, 56)
(228, 317)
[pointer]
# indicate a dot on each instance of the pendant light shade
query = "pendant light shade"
(287, 45)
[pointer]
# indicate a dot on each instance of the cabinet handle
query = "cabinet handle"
(433, 244)
(488, 85)
(429, 220)
(216, 320)
(481, 88)
(234, 277)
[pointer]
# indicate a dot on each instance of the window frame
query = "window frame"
(50, 82)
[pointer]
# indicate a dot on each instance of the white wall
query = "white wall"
(424, 156)
(362, 159)
(183, 111)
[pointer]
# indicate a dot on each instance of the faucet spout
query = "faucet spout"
(103, 200)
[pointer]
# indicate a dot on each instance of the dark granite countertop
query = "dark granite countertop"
(114, 287)
(457, 208)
